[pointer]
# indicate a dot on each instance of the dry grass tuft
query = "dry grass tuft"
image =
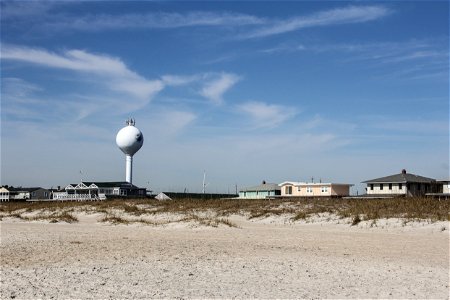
(114, 219)
(54, 217)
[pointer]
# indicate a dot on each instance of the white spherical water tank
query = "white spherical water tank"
(129, 139)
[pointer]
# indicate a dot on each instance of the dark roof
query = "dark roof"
(22, 189)
(401, 178)
(262, 187)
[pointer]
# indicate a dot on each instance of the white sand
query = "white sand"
(267, 258)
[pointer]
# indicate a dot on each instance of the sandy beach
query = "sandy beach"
(262, 258)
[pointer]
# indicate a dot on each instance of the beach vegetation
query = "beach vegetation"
(212, 212)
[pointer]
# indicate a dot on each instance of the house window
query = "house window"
(390, 186)
(400, 186)
(381, 187)
(324, 189)
(309, 189)
(299, 189)
(45, 194)
(371, 187)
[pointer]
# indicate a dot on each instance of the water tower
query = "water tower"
(130, 140)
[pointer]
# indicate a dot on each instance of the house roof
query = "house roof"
(289, 183)
(401, 178)
(22, 189)
(262, 187)
(108, 184)
(443, 180)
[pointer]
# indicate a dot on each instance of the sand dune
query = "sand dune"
(265, 258)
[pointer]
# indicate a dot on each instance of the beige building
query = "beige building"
(304, 189)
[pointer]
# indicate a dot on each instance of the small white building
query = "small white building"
(4, 194)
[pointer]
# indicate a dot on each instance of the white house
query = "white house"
(403, 184)
(99, 191)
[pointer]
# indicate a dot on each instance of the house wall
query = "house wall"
(446, 187)
(418, 189)
(40, 194)
(316, 190)
(340, 190)
(386, 191)
(409, 189)
(294, 190)
(256, 194)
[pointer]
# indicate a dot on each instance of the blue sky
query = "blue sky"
(248, 91)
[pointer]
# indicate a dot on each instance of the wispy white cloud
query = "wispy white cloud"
(283, 48)
(155, 20)
(266, 115)
(413, 59)
(109, 71)
(345, 15)
(177, 80)
(18, 89)
(15, 9)
(216, 88)
(244, 25)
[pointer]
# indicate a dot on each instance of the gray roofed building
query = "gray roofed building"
(403, 184)
(25, 193)
(264, 190)
(401, 178)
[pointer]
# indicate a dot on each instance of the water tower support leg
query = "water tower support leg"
(129, 169)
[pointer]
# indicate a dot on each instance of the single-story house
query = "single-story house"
(119, 188)
(99, 191)
(22, 194)
(403, 184)
(319, 189)
(262, 191)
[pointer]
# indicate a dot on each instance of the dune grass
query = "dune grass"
(217, 210)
